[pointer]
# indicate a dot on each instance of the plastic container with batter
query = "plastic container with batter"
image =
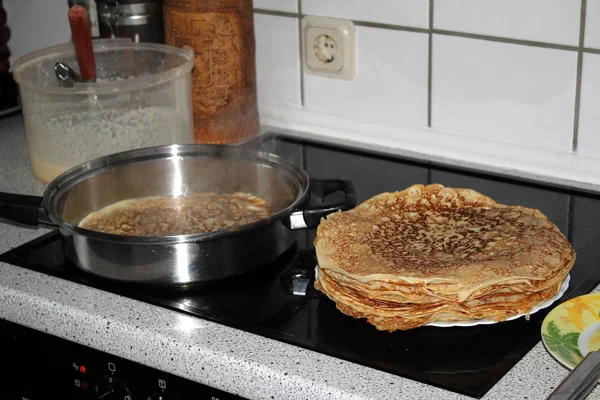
(142, 98)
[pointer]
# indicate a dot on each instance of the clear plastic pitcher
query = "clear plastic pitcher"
(142, 98)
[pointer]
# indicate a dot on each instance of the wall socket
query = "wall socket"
(328, 47)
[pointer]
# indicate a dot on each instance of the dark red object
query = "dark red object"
(2, 16)
(4, 64)
(82, 41)
(4, 50)
(4, 34)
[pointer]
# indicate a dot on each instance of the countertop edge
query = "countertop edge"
(215, 355)
(439, 159)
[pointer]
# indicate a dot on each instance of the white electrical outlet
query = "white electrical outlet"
(328, 47)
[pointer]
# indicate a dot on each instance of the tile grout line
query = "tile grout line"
(500, 39)
(444, 32)
(297, 15)
(429, 63)
(380, 25)
(276, 13)
(578, 77)
(430, 31)
(590, 50)
(301, 46)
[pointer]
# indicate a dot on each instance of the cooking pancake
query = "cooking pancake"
(166, 216)
(436, 235)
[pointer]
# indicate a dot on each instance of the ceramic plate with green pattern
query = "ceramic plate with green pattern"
(572, 329)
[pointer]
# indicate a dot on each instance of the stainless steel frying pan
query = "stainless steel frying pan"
(177, 170)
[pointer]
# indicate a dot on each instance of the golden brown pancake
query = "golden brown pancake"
(432, 248)
(166, 216)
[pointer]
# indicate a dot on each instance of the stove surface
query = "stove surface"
(279, 301)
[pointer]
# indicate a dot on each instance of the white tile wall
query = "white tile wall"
(588, 142)
(592, 24)
(277, 5)
(486, 95)
(512, 93)
(277, 60)
(413, 13)
(553, 21)
(390, 84)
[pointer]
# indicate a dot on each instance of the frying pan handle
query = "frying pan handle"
(317, 208)
(23, 209)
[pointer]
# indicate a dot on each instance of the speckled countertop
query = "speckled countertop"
(206, 352)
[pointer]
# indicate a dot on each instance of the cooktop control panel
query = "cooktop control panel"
(36, 365)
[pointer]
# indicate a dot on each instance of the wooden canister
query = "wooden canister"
(221, 32)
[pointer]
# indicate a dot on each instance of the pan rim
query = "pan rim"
(64, 182)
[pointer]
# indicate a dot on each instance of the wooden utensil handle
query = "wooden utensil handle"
(82, 41)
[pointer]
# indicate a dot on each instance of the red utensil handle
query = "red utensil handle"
(82, 41)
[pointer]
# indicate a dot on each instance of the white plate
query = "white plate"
(561, 291)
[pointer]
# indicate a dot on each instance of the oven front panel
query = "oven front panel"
(37, 365)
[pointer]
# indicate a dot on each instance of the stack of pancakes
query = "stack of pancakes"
(436, 254)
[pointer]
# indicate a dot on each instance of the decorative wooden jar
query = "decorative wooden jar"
(221, 32)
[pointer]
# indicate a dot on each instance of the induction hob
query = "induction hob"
(278, 300)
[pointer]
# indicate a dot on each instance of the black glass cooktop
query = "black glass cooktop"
(278, 301)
